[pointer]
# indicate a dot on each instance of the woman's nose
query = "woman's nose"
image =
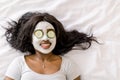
(45, 37)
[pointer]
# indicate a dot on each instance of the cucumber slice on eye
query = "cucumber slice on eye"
(38, 33)
(51, 34)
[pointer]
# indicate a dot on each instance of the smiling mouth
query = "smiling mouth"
(45, 45)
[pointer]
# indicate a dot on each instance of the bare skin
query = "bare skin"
(78, 78)
(51, 62)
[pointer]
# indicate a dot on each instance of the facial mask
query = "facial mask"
(44, 38)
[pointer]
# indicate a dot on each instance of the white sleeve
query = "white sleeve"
(72, 70)
(14, 69)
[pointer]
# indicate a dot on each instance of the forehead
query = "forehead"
(44, 25)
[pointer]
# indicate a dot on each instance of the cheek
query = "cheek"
(53, 41)
(35, 41)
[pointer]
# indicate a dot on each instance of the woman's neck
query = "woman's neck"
(44, 57)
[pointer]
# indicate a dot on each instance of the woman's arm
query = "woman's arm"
(8, 78)
(78, 78)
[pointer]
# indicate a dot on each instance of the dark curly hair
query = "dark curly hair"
(19, 35)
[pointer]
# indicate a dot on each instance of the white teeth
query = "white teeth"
(45, 46)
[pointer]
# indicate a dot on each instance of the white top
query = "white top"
(19, 70)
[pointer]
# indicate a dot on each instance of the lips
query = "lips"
(45, 44)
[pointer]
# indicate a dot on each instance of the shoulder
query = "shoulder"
(70, 67)
(19, 57)
(17, 63)
(15, 68)
(18, 60)
(67, 60)
(68, 63)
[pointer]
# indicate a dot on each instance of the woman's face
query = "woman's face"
(44, 37)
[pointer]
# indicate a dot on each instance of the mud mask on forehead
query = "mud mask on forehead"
(44, 38)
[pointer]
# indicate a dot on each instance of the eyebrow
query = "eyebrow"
(47, 30)
(50, 30)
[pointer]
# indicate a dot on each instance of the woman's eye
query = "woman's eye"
(38, 33)
(51, 34)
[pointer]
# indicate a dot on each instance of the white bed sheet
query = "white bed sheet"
(101, 17)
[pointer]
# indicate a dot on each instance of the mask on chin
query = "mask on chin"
(44, 37)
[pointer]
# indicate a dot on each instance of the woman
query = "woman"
(44, 37)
